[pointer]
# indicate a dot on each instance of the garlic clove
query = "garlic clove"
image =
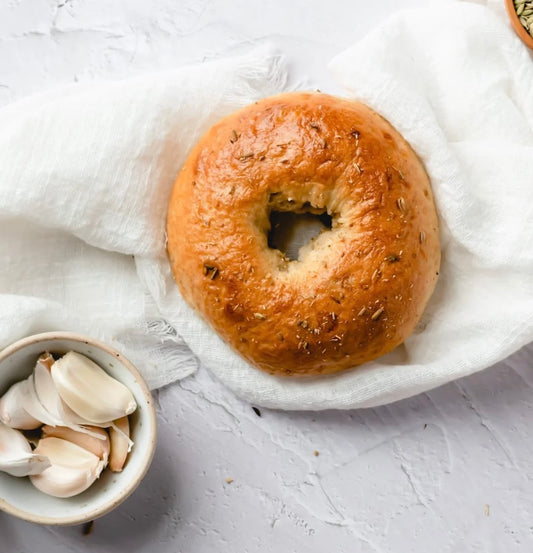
(24, 466)
(45, 360)
(12, 411)
(16, 456)
(73, 469)
(118, 430)
(97, 446)
(50, 399)
(46, 392)
(12, 441)
(32, 404)
(89, 391)
(119, 434)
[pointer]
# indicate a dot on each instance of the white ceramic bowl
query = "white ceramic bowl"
(18, 496)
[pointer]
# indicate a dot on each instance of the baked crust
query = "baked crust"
(358, 290)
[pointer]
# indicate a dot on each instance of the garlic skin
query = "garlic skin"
(89, 391)
(73, 469)
(20, 408)
(45, 360)
(12, 412)
(16, 456)
(120, 444)
(31, 403)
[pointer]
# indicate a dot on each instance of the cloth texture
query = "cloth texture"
(85, 175)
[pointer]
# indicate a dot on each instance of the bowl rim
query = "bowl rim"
(526, 38)
(148, 451)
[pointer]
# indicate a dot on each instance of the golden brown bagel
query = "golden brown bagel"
(358, 290)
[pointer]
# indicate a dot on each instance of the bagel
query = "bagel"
(358, 289)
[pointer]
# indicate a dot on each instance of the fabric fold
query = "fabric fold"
(461, 94)
(85, 175)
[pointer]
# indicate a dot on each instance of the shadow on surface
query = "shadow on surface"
(138, 522)
(505, 384)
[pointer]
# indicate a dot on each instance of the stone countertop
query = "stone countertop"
(446, 471)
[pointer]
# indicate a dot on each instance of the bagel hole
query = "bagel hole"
(289, 231)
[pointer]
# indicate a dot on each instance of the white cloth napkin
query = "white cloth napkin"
(85, 175)
(459, 86)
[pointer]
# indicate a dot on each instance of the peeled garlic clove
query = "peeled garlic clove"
(73, 469)
(12, 411)
(89, 391)
(120, 443)
(16, 457)
(97, 446)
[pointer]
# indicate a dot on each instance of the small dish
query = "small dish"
(526, 38)
(18, 496)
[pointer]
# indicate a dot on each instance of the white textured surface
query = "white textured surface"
(450, 470)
